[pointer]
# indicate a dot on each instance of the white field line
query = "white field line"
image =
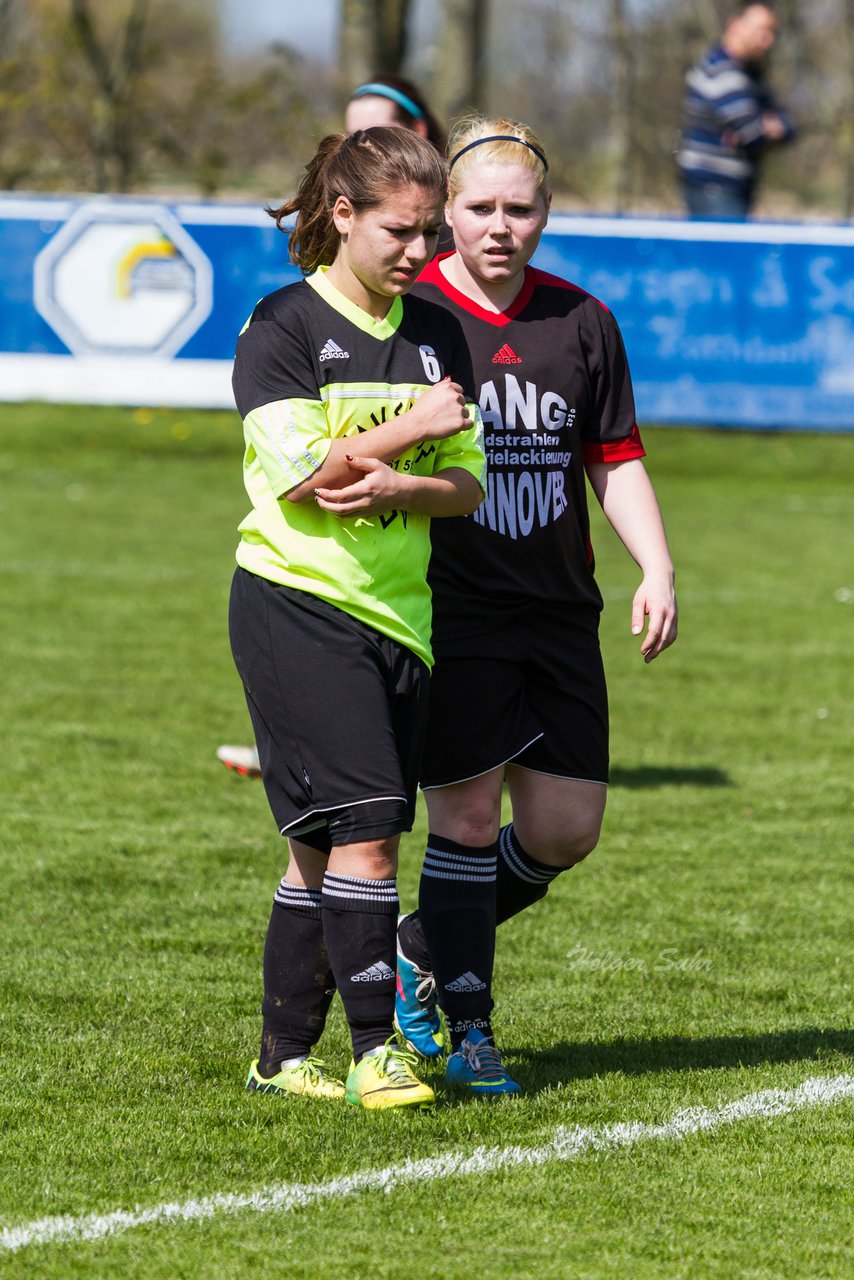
(565, 1144)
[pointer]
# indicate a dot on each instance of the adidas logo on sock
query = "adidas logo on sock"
(378, 972)
(466, 982)
(506, 356)
(332, 351)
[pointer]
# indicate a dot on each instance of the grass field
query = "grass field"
(700, 956)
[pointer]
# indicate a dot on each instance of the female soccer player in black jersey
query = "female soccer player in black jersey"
(518, 691)
(357, 431)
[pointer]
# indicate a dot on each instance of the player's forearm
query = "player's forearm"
(626, 496)
(385, 442)
(439, 411)
(453, 492)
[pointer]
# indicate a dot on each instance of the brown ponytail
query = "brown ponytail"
(365, 167)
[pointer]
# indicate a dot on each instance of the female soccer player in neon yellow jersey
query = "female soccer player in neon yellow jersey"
(383, 100)
(518, 691)
(354, 403)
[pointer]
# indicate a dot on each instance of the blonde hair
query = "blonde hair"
(366, 167)
(498, 149)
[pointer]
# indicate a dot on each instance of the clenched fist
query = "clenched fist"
(442, 410)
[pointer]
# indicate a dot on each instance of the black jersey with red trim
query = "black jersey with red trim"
(555, 392)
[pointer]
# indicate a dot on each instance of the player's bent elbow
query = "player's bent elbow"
(300, 492)
(470, 493)
(471, 504)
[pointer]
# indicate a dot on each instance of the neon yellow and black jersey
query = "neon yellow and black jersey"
(310, 367)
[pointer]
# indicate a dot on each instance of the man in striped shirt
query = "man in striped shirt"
(730, 117)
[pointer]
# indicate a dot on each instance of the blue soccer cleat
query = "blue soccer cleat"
(477, 1066)
(416, 1014)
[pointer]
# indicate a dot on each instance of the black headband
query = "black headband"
(501, 137)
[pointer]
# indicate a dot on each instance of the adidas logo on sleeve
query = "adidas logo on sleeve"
(332, 351)
(378, 972)
(466, 982)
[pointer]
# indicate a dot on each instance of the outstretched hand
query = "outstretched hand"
(655, 600)
(377, 488)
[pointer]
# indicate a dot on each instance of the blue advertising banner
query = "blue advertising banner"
(139, 302)
(736, 324)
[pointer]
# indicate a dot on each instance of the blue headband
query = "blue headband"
(394, 95)
(501, 137)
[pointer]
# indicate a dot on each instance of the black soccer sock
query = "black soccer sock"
(457, 914)
(298, 982)
(360, 924)
(520, 880)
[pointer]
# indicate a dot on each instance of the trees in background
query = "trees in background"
(133, 95)
(461, 57)
(375, 36)
(372, 37)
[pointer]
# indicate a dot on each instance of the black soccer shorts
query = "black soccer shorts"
(530, 691)
(339, 712)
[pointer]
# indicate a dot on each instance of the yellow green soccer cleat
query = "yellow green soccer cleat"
(309, 1078)
(384, 1078)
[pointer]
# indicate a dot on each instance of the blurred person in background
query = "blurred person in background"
(730, 117)
(391, 100)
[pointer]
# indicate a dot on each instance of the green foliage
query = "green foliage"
(697, 956)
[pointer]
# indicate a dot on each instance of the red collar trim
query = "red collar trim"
(432, 274)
